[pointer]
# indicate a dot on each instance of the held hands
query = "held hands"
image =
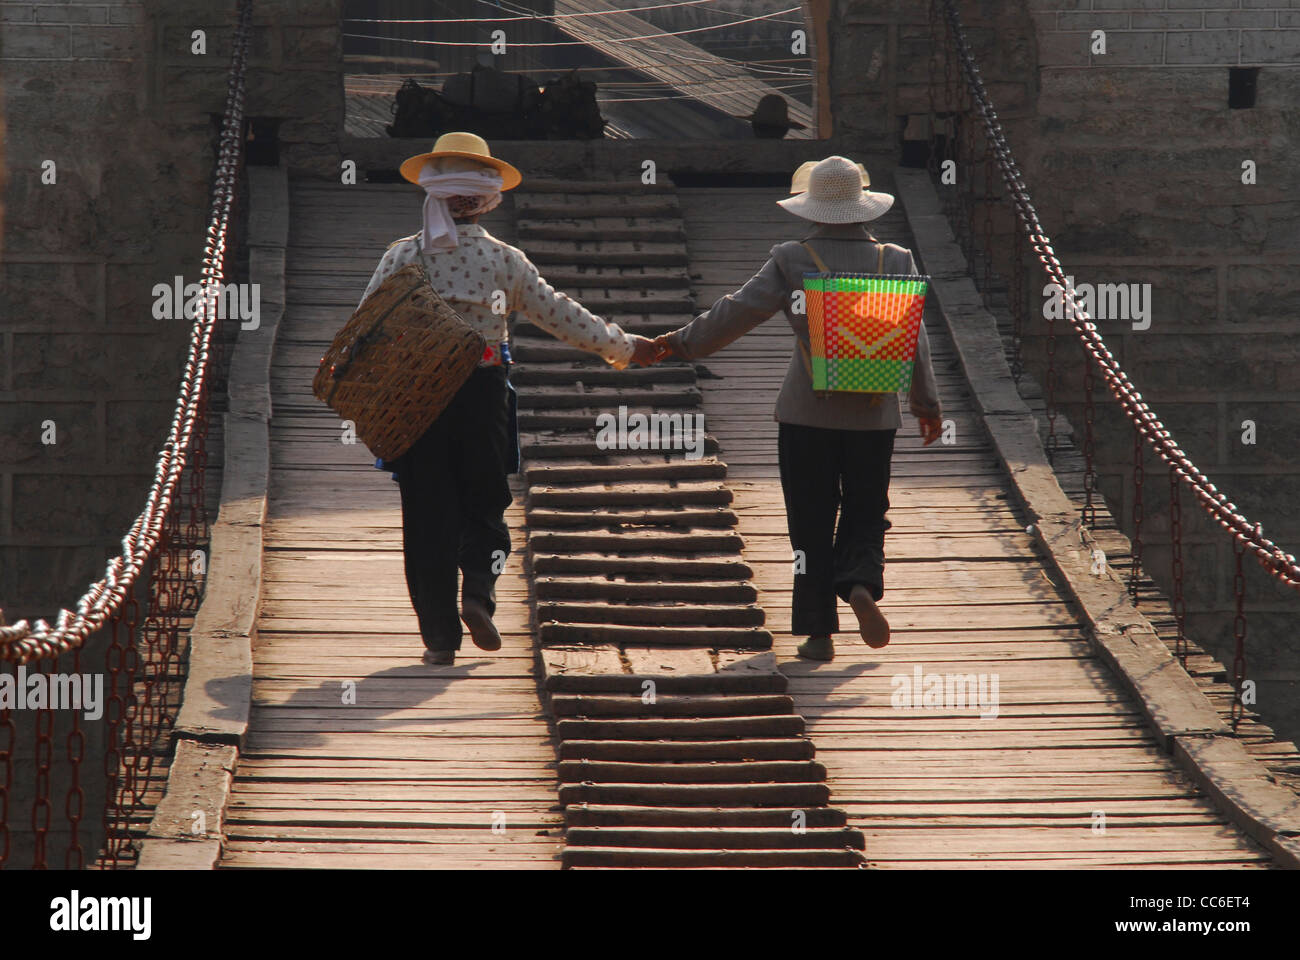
(648, 352)
(931, 427)
(665, 347)
(644, 351)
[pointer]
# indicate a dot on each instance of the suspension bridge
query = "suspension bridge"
(266, 702)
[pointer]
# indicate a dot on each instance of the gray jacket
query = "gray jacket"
(843, 247)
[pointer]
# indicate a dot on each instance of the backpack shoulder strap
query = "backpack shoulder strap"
(821, 264)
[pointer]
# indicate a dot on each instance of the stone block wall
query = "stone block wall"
(111, 94)
(114, 96)
(1136, 163)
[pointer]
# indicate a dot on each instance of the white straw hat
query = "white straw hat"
(835, 194)
(799, 182)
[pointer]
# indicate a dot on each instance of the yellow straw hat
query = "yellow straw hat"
(460, 144)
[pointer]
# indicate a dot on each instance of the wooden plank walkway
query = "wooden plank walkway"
(678, 744)
(965, 594)
(429, 767)
(360, 755)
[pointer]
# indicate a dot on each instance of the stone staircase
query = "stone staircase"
(678, 744)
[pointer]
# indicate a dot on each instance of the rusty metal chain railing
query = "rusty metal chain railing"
(156, 571)
(1149, 430)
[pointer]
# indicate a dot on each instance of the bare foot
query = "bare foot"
(871, 622)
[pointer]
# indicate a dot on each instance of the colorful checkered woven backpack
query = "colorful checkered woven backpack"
(862, 328)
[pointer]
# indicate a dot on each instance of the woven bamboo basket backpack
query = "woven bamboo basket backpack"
(398, 362)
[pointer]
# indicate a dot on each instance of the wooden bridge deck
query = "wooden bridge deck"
(418, 770)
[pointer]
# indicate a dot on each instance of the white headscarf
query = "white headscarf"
(439, 228)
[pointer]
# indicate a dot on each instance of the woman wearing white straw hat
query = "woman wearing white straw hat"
(454, 478)
(834, 449)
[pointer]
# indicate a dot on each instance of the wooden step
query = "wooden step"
(632, 277)
(717, 838)
(705, 469)
(628, 857)
(542, 350)
(668, 229)
(636, 493)
(648, 541)
(660, 568)
(600, 588)
(682, 728)
(740, 771)
(608, 253)
(787, 795)
(565, 206)
(544, 519)
(744, 705)
(553, 185)
(530, 374)
(704, 637)
(610, 815)
(785, 748)
(568, 420)
(611, 302)
(541, 448)
(606, 400)
(649, 615)
(634, 684)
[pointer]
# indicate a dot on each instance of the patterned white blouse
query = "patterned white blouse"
(469, 276)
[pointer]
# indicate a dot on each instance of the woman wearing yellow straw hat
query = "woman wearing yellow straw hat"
(834, 449)
(454, 478)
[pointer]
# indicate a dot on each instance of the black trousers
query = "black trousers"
(824, 472)
(454, 497)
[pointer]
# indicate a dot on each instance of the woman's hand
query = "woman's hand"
(645, 352)
(931, 427)
(666, 346)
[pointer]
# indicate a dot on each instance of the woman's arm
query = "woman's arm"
(732, 316)
(565, 318)
(923, 395)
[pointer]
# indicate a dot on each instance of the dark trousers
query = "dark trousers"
(822, 472)
(454, 498)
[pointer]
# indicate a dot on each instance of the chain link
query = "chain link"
(1238, 634)
(1135, 566)
(1089, 513)
(74, 803)
(986, 254)
(8, 736)
(43, 761)
(1176, 562)
(1018, 306)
